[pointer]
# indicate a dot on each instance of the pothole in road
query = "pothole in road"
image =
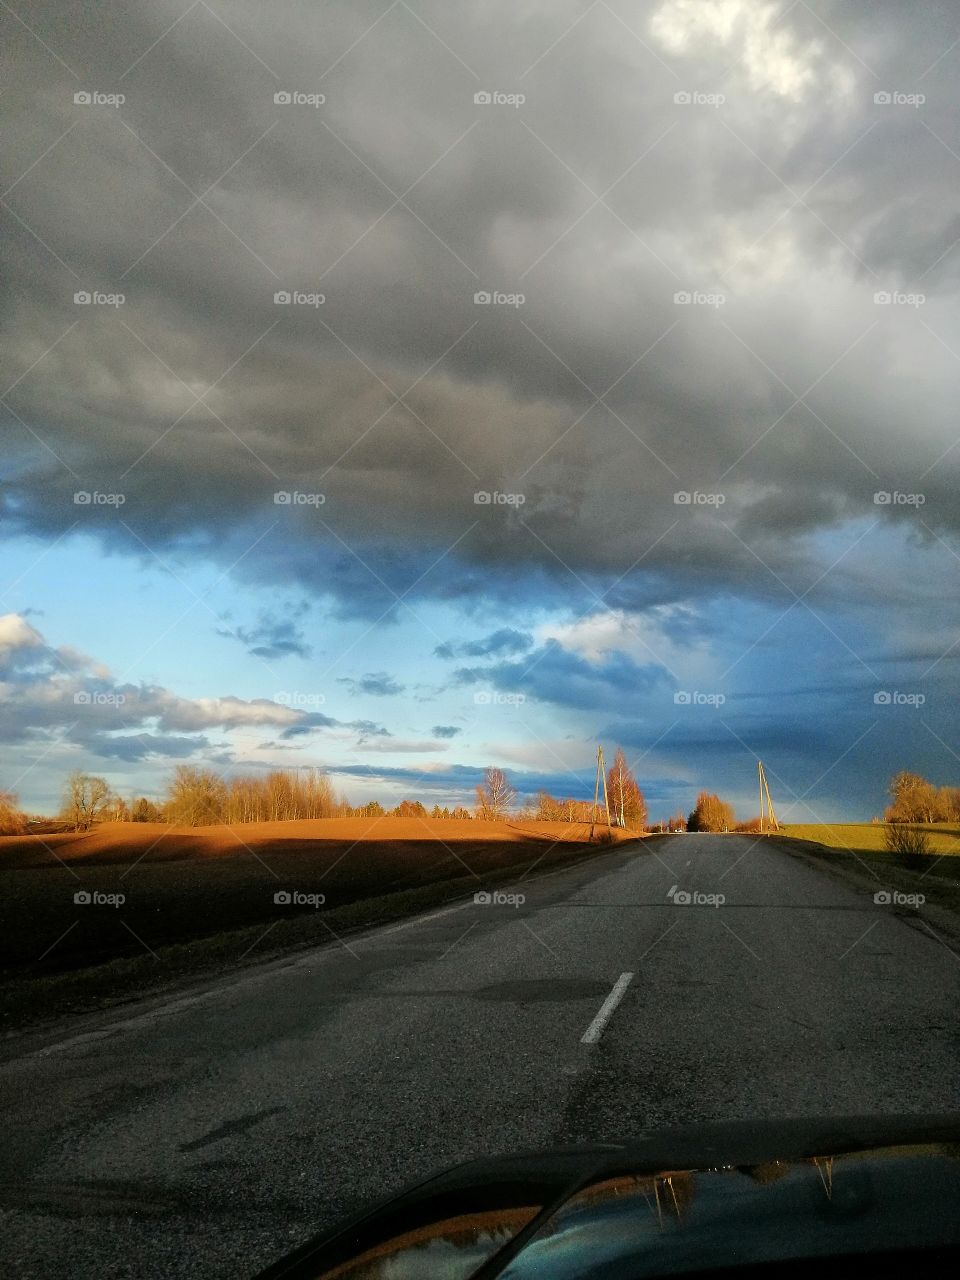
(529, 990)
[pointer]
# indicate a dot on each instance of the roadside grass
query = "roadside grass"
(868, 837)
(193, 919)
(855, 854)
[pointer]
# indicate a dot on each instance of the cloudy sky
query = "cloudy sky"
(290, 289)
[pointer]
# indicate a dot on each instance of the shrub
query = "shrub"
(753, 826)
(12, 821)
(910, 845)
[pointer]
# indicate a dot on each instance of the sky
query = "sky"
(403, 388)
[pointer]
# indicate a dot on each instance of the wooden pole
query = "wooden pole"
(596, 792)
(603, 774)
(760, 779)
(765, 792)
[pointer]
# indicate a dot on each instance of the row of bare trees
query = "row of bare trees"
(199, 797)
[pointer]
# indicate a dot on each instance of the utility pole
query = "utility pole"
(601, 776)
(765, 794)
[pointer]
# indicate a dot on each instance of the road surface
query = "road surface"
(205, 1135)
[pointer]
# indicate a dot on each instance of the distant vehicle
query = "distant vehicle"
(878, 1197)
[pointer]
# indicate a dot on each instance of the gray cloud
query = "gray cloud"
(57, 691)
(378, 683)
(710, 204)
(272, 636)
(555, 674)
(505, 641)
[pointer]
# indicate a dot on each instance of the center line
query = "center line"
(595, 1029)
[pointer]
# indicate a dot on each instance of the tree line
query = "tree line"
(199, 797)
(196, 796)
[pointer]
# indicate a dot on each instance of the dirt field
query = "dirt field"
(126, 842)
(129, 905)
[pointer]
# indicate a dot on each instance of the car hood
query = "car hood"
(694, 1200)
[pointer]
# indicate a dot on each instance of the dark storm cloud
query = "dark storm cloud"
(199, 399)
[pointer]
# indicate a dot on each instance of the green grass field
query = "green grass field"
(868, 836)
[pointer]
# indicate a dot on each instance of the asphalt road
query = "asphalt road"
(205, 1135)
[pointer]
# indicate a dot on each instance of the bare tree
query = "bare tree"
(195, 797)
(85, 799)
(495, 794)
(625, 794)
(914, 799)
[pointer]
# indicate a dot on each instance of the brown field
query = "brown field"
(201, 899)
(125, 842)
